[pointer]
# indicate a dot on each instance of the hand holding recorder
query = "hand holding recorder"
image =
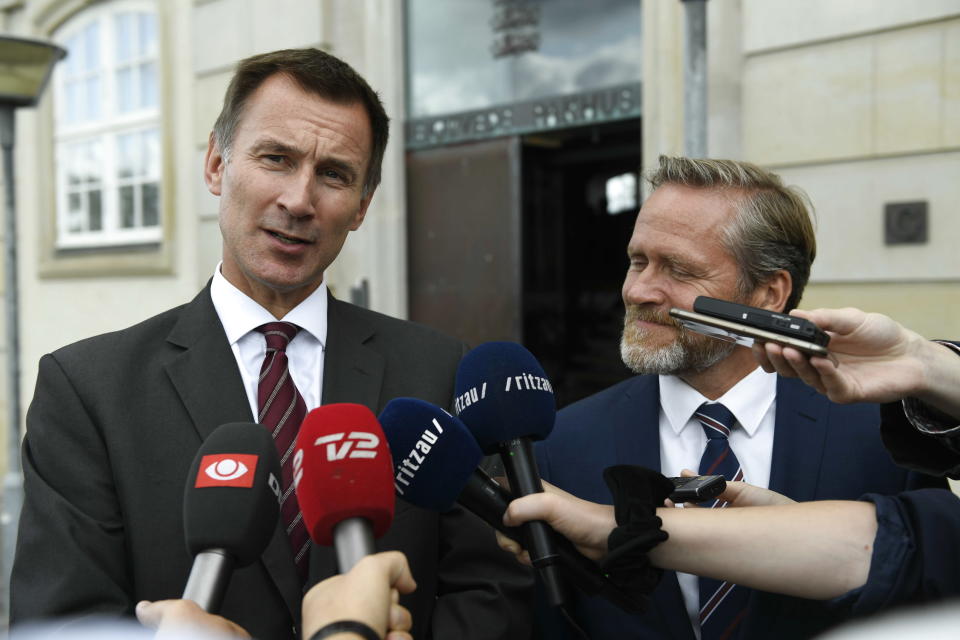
(876, 360)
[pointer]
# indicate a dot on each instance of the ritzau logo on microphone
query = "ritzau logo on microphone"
(227, 470)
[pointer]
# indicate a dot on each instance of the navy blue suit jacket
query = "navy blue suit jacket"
(821, 451)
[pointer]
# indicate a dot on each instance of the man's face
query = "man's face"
(291, 189)
(676, 255)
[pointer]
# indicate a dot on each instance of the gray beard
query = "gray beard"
(687, 354)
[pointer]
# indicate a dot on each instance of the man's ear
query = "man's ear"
(362, 211)
(213, 166)
(774, 293)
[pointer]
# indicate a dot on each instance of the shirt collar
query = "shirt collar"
(748, 400)
(240, 314)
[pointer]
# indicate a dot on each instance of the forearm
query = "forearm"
(815, 550)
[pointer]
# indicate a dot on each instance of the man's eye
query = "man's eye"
(273, 158)
(333, 174)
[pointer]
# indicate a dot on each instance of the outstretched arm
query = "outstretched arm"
(875, 359)
(813, 550)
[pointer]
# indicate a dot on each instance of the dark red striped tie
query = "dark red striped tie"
(723, 605)
(281, 410)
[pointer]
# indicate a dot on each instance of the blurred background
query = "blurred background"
(513, 176)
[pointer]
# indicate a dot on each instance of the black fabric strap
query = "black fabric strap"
(637, 492)
(346, 626)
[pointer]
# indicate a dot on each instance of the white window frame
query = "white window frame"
(106, 130)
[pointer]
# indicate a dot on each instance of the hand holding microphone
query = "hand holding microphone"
(230, 507)
(435, 459)
(504, 397)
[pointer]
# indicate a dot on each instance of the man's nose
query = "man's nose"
(298, 194)
(644, 287)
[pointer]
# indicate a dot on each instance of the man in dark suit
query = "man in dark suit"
(733, 231)
(295, 159)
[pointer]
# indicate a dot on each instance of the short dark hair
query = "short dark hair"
(315, 71)
(772, 229)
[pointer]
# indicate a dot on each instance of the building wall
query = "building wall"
(856, 102)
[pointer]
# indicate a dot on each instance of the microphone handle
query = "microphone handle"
(352, 539)
(486, 499)
(521, 468)
(208, 579)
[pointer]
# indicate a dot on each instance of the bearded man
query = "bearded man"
(734, 231)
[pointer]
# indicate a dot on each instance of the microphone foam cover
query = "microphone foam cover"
(342, 469)
(231, 500)
(503, 393)
(433, 452)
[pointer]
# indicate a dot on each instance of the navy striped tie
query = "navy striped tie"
(281, 410)
(723, 605)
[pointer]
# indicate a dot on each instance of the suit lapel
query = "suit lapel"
(637, 437)
(799, 439)
(352, 371)
(208, 382)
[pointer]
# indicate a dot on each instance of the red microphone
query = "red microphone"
(343, 475)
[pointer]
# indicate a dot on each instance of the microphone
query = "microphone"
(505, 399)
(231, 505)
(434, 461)
(343, 477)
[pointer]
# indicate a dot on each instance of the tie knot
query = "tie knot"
(278, 334)
(716, 419)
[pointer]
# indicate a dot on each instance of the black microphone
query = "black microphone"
(505, 399)
(231, 505)
(434, 461)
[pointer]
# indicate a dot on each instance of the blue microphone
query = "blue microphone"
(434, 460)
(505, 399)
(433, 453)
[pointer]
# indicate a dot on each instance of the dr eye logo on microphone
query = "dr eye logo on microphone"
(227, 470)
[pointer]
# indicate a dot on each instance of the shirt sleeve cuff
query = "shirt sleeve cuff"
(928, 420)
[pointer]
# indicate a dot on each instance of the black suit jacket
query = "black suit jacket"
(114, 426)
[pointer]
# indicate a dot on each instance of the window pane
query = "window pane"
(150, 193)
(148, 34)
(127, 214)
(92, 162)
(74, 212)
(123, 27)
(151, 153)
(72, 101)
(148, 85)
(127, 155)
(125, 90)
(96, 211)
(91, 48)
(92, 99)
(71, 64)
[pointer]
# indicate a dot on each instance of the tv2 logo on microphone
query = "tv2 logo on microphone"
(358, 444)
(227, 470)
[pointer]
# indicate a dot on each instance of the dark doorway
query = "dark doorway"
(513, 239)
(574, 252)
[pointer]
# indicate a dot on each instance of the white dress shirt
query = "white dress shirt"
(682, 442)
(241, 315)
